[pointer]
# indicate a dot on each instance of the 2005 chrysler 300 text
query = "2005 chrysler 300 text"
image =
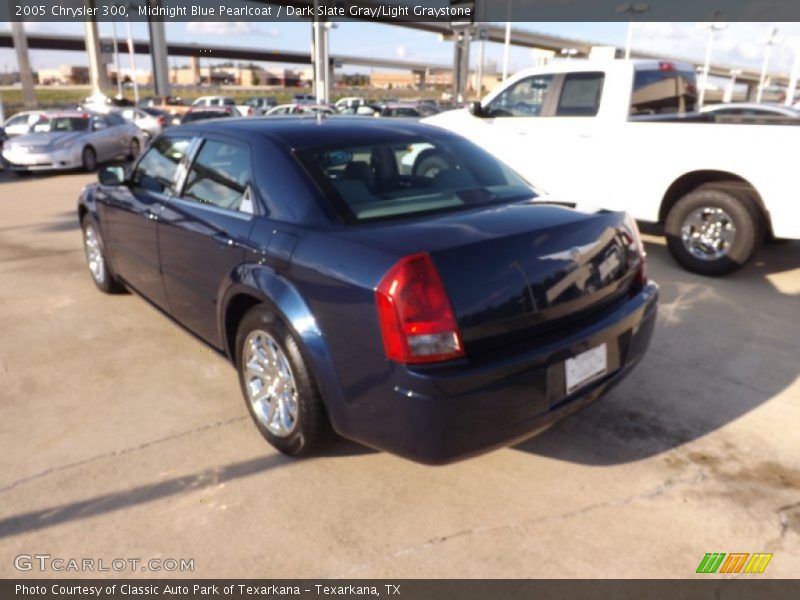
(430, 307)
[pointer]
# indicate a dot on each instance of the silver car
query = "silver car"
(70, 140)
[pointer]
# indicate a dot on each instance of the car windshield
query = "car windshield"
(388, 180)
(62, 124)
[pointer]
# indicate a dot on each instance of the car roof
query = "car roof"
(309, 132)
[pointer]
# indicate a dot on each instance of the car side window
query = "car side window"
(157, 169)
(525, 98)
(99, 122)
(114, 119)
(220, 177)
(580, 95)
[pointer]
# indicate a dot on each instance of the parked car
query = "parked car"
(223, 101)
(70, 140)
(401, 110)
(304, 99)
(748, 109)
(431, 317)
(203, 114)
(362, 110)
(174, 106)
(21, 123)
(631, 127)
(260, 104)
(300, 109)
(103, 104)
(151, 120)
(348, 102)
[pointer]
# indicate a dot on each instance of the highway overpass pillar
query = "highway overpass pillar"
(158, 54)
(97, 70)
(25, 73)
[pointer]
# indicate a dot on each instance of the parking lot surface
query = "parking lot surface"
(122, 436)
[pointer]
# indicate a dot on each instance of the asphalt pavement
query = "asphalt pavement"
(123, 437)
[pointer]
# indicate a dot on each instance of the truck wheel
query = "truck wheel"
(429, 163)
(713, 231)
(278, 386)
(96, 259)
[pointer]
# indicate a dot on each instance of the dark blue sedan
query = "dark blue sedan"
(387, 281)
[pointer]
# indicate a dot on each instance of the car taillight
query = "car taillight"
(666, 66)
(162, 121)
(634, 241)
(415, 314)
(250, 112)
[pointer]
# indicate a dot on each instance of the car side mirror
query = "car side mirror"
(476, 109)
(112, 176)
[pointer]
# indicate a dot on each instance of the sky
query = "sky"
(741, 44)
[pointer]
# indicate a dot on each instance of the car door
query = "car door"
(120, 134)
(102, 138)
(202, 233)
(129, 215)
(543, 126)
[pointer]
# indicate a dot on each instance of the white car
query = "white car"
(751, 109)
(71, 140)
(348, 102)
(300, 109)
(221, 101)
(21, 123)
(151, 125)
(624, 135)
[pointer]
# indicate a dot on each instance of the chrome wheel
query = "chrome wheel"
(708, 233)
(94, 255)
(269, 383)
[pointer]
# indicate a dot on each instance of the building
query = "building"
(229, 74)
(64, 75)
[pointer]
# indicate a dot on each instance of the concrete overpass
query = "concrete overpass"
(495, 33)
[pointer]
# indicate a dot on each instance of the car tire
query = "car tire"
(134, 149)
(88, 159)
(96, 260)
(713, 231)
(429, 163)
(294, 419)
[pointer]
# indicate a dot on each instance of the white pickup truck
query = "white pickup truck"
(623, 135)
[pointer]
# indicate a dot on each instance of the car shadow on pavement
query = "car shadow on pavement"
(722, 347)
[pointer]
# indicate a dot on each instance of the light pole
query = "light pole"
(631, 10)
(712, 28)
(771, 40)
(507, 44)
(793, 79)
(116, 58)
(482, 35)
(731, 84)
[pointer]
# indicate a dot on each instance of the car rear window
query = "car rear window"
(378, 181)
(62, 124)
(665, 90)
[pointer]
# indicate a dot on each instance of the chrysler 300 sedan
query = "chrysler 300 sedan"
(429, 312)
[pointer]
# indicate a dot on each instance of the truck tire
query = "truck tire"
(713, 231)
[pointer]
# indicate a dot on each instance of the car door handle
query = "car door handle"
(223, 239)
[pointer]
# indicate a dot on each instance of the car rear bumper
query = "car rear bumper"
(444, 413)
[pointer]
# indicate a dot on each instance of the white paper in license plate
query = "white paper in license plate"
(585, 367)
